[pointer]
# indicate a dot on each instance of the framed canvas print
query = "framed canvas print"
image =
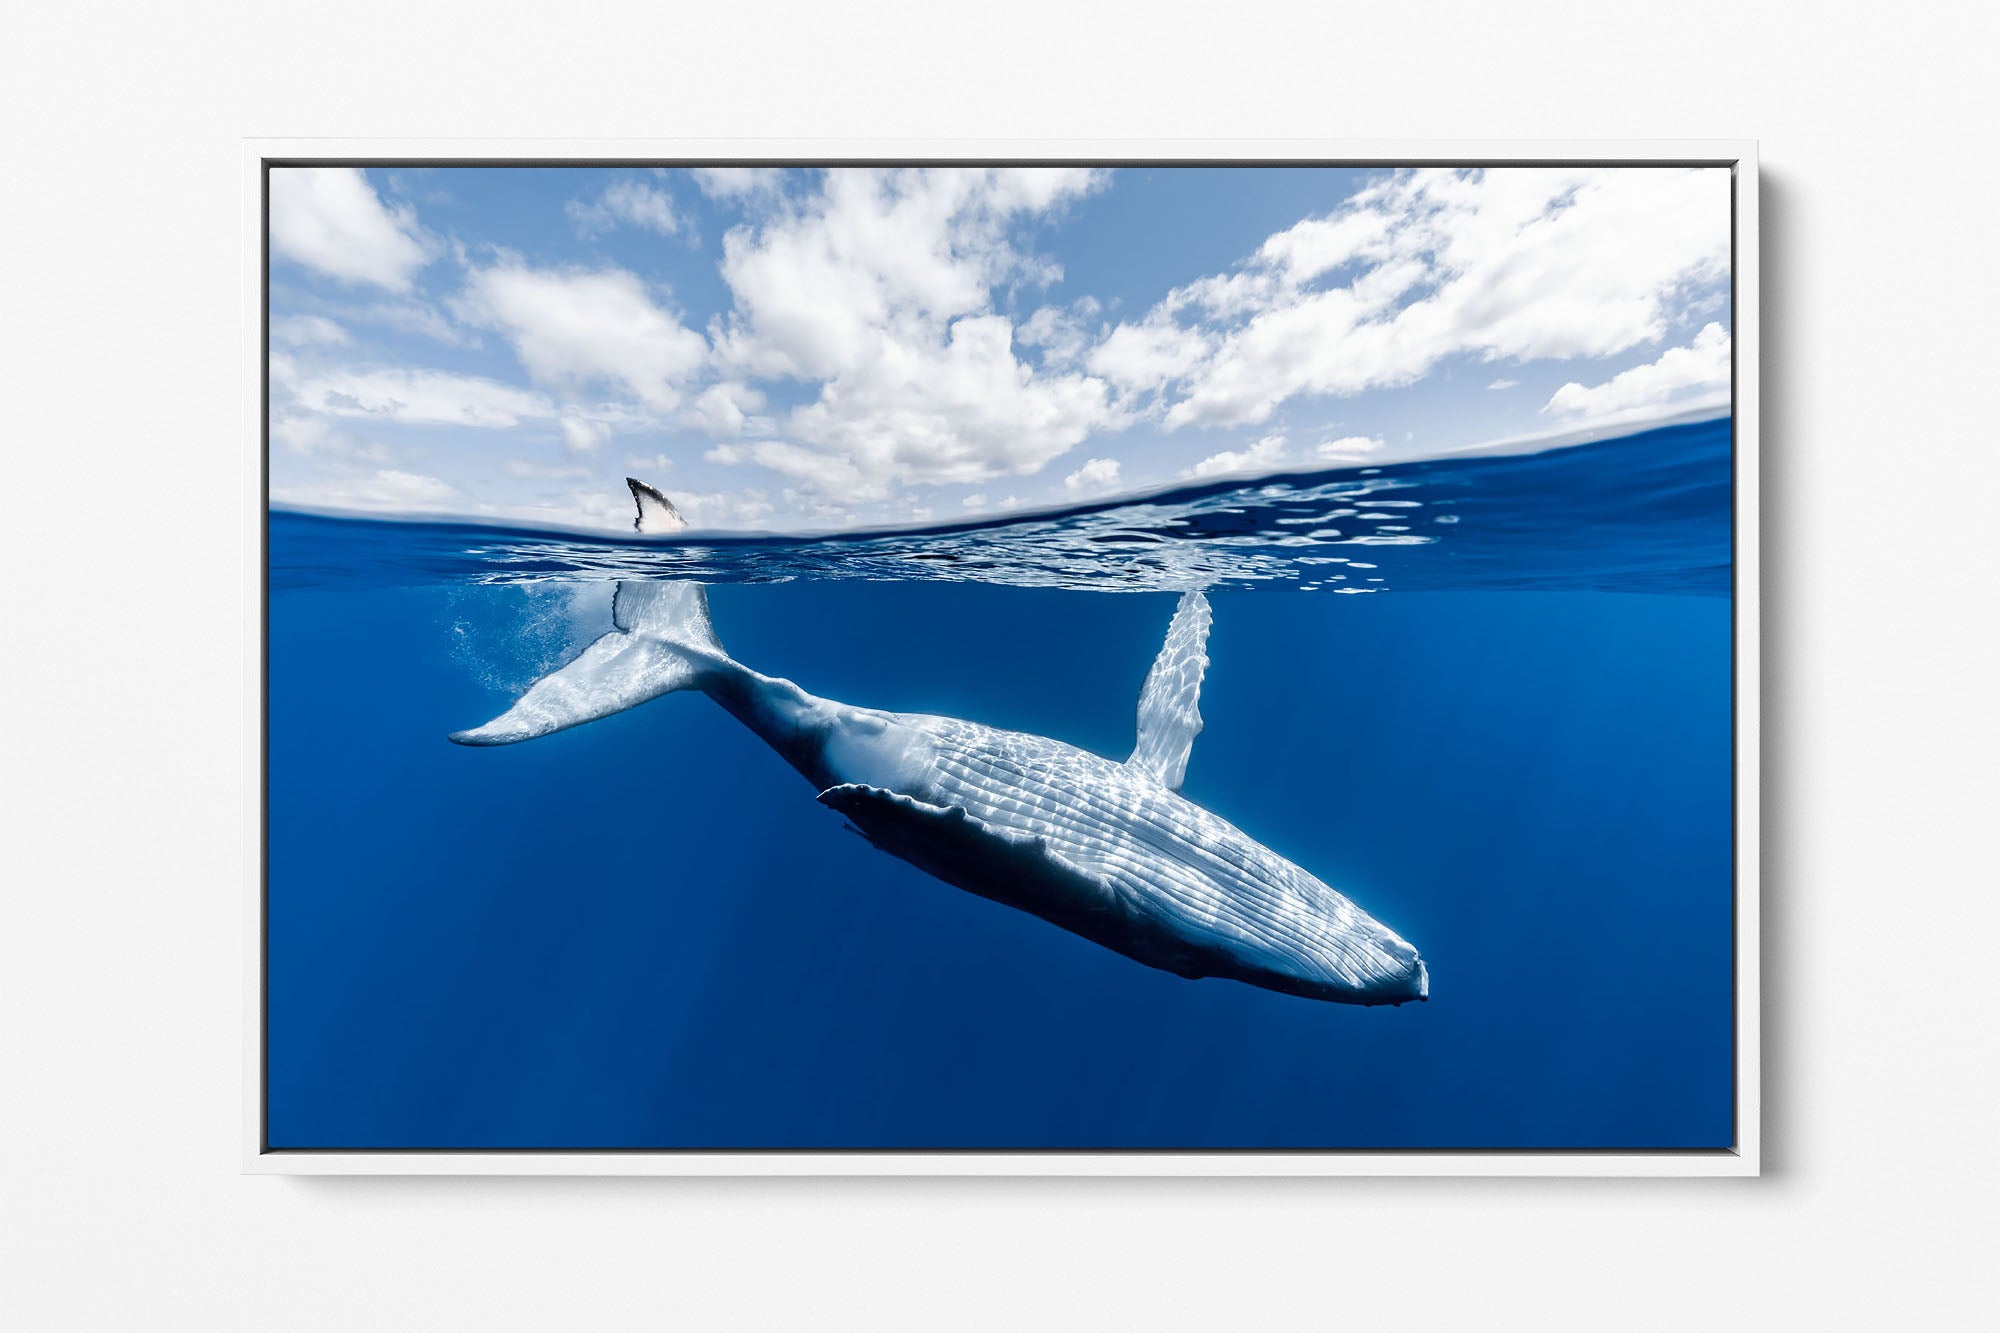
(1002, 658)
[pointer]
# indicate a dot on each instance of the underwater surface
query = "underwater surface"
(1514, 751)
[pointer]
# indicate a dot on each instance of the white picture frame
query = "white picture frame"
(1742, 1159)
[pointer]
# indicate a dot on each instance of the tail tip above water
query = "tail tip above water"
(656, 513)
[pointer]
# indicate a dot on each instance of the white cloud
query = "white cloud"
(330, 219)
(826, 473)
(585, 425)
(412, 316)
(879, 289)
(963, 410)
(628, 203)
(1151, 354)
(1059, 331)
(1262, 456)
(581, 433)
(1318, 245)
(1095, 475)
(425, 397)
(1503, 384)
(386, 489)
(1506, 264)
(1695, 375)
(725, 409)
(977, 501)
(303, 434)
(306, 434)
(876, 255)
(1349, 449)
(573, 327)
(657, 465)
(724, 509)
(737, 183)
(531, 470)
(309, 331)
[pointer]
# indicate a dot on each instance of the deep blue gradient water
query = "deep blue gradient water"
(644, 933)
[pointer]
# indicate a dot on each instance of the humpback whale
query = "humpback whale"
(1111, 851)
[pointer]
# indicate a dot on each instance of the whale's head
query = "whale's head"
(1359, 962)
(1370, 964)
(1400, 978)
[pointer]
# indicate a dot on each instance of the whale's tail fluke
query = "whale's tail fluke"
(664, 641)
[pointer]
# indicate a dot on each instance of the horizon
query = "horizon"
(1168, 489)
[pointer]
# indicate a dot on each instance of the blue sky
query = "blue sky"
(822, 348)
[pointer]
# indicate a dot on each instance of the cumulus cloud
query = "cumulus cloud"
(309, 331)
(583, 433)
(876, 255)
(1150, 355)
(731, 509)
(1096, 474)
(386, 489)
(535, 470)
(726, 409)
(1262, 456)
(1319, 245)
(1695, 375)
(879, 290)
(627, 203)
(411, 316)
(424, 397)
(1062, 332)
(1513, 264)
(572, 327)
(306, 434)
(829, 474)
(729, 184)
(962, 409)
(331, 220)
(1349, 449)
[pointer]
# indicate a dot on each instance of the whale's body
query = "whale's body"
(1111, 851)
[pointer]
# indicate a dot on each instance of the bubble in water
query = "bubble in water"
(506, 636)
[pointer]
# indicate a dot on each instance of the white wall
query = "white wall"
(121, 787)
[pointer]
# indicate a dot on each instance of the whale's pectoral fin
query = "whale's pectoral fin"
(1169, 711)
(936, 837)
(886, 817)
(859, 801)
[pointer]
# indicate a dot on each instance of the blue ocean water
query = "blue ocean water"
(1514, 750)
